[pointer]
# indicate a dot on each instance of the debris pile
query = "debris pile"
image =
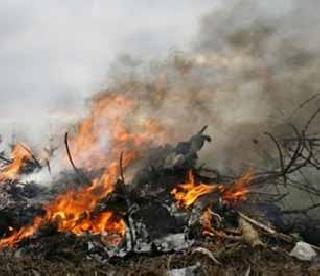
(166, 206)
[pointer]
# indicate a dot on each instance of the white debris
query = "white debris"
(171, 242)
(303, 251)
(186, 271)
(90, 245)
(174, 241)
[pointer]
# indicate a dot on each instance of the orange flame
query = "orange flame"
(111, 119)
(20, 155)
(239, 189)
(22, 233)
(114, 126)
(103, 222)
(71, 211)
(186, 194)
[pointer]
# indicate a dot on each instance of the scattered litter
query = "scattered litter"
(303, 251)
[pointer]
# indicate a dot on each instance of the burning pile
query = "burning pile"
(71, 210)
(136, 195)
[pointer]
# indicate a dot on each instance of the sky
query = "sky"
(55, 54)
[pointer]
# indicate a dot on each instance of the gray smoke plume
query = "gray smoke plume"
(264, 58)
(252, 64)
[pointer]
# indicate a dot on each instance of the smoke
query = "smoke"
(243, 69)
(252, 64)
(271, 62)
(56, 54)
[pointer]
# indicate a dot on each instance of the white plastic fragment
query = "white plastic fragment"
(303, 251)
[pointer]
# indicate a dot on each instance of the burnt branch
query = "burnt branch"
(121, 168)
(78, 172)
(281, 158)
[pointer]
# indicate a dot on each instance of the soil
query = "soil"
(238, 260)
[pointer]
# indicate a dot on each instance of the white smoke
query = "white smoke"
(55, 54)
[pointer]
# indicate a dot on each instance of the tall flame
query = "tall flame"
(20, 155)
(111, 119)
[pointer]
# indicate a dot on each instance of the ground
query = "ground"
(235, 261)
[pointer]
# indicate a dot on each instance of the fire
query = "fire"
(114, 126)
(186, 194)
(24, 232)
(72, 210)
(110, 129)
(238, 191)
(20, 155)
(104, 222)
